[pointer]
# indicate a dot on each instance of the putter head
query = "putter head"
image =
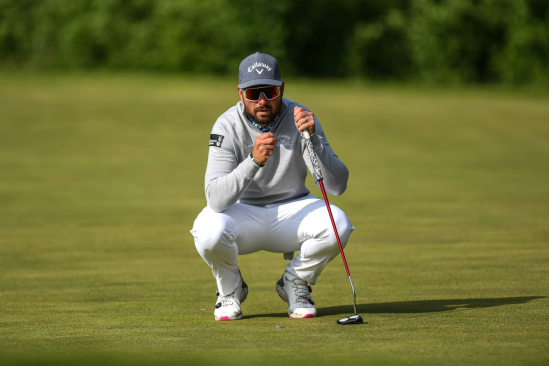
(353, 319)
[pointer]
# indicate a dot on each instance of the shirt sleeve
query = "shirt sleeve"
(335, 174)
(226, 179)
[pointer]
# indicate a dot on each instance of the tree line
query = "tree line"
(433, 41)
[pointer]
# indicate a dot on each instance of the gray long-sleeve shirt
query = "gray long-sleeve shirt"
(232, 176)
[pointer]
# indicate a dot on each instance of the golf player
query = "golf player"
(256, 194)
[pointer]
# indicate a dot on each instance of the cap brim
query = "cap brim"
(256, 82)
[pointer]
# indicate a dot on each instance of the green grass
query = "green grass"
(101, 177)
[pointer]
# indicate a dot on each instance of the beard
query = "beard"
(264, 119)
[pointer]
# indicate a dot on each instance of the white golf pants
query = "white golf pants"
(301, 225)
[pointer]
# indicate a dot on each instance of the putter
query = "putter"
(353, 319)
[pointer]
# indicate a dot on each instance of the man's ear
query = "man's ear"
(282, 90)
(241, 93)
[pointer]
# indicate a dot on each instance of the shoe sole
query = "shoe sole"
(302, 317)
(227, 318)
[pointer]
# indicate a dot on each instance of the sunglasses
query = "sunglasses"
(254, 94)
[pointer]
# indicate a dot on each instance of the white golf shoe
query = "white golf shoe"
(228, 307)
(297, 294)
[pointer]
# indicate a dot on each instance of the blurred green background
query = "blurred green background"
(430, 41)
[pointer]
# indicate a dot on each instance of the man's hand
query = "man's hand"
(264, 147)
(304, 119)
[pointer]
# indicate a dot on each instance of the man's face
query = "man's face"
(263, 111)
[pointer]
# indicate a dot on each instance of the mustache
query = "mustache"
(264, 108)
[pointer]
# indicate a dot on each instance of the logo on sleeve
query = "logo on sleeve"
(216, 140)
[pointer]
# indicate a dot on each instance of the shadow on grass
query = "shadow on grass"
(416, 307)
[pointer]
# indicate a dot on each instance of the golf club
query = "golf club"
(353, 319)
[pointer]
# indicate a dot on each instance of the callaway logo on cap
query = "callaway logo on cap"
(258, 69)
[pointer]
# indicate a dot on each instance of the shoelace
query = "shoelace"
(226, 300)
(301, 291)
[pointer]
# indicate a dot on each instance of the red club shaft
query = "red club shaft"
(335, 228)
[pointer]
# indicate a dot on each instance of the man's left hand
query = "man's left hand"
(304, 119)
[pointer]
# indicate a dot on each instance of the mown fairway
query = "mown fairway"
(101, 178)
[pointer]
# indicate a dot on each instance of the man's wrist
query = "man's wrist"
(256, 162)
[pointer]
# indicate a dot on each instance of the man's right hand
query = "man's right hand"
(264, 147)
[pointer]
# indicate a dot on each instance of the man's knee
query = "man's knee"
(327, 233)
(344, 228)
(210, 232)
(207, 241)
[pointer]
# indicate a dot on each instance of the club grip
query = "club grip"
(312, 155)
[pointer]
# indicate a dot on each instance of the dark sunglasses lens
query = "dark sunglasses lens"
(252, 94)
(270, 92)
